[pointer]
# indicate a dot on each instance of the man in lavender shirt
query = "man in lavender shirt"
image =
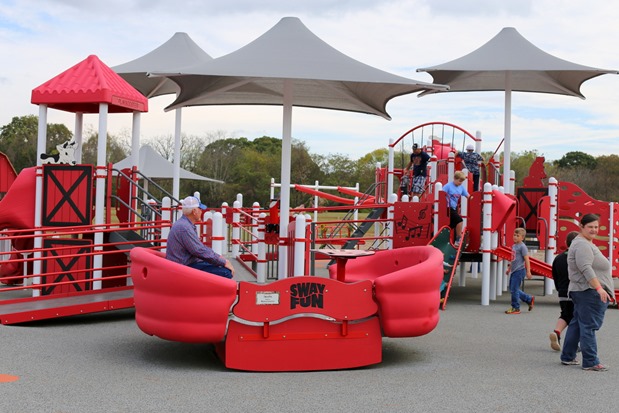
(184, 246)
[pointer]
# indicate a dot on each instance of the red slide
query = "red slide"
(17, 206)
(17, 212)
(7, 173)
(539, 267)
(352, 192)
(331, 197)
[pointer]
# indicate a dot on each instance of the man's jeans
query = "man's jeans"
(213, 269)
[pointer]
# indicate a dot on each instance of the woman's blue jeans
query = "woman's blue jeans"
(515, 281)
(588, 318)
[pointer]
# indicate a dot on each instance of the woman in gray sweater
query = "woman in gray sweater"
(591, 289)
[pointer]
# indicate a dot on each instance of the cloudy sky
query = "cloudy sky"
(39, 39)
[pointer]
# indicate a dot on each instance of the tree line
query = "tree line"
(247, 166)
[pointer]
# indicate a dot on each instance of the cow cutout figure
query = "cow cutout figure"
(65, 155)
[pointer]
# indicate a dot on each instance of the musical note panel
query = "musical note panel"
(413, 223)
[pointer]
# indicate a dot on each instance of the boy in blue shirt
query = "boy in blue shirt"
(519, 266)
(455, 190)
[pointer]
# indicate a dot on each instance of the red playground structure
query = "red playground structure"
(77, 239)
(63, 254)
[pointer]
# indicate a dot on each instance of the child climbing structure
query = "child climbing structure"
(421, 221)
(490, 214)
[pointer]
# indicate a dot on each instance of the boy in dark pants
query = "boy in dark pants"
(562, 282)
(418, 164)
(518, 268)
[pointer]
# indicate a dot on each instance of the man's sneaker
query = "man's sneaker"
(555, 341)
(597, 367)
(532, 303)
(574, 362)
(457, 242)
(512, 311)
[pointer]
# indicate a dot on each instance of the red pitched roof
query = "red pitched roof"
(82, 87)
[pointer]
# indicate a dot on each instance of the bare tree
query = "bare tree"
(163, 145)
(191, 149)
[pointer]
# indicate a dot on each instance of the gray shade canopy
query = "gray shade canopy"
(320, 76)
(176, 53)
(290, 66)
(153, 165)
(509, 62)
(532, 69)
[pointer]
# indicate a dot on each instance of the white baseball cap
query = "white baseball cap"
(470, 147)
(192, 202)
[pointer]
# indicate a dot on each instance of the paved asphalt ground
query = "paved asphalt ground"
(477, 360)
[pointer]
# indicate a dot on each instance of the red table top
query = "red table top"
(339, 253)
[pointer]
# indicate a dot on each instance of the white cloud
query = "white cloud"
(483, 8)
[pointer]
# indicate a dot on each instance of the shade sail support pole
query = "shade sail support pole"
(135, 140)
(508, 138)
(176, 176)
(285, 187)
